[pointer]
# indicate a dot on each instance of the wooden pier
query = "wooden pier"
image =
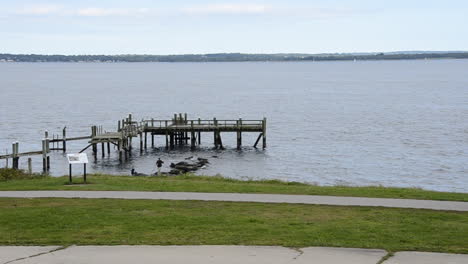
(178, 131)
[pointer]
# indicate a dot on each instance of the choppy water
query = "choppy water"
(391, 123)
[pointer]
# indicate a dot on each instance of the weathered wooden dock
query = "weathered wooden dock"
(178, 131)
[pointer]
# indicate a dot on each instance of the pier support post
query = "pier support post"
(64, 138)
(15, 150)
(167, 136)
(93, 135)
(48, 151)
(215, 133)
(29, 166)
(45, 166)
(185, 133)
(119, 148)
(264, 132)
(141, 142)
(108, 148)
(199, 132)
(171, 140)
(103, 150)
(146, 139)
(239, 133)
(192, 136)
(129, 146)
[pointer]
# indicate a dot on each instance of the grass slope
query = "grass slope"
(191, 183)
(143, 222)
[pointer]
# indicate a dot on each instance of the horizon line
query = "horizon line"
(243, 53)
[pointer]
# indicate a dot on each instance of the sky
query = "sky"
(254, 26)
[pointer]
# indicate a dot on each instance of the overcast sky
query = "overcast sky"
(255, 26)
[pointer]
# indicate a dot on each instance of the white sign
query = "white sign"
(80, 158)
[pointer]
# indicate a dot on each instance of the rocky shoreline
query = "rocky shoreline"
(190, 164)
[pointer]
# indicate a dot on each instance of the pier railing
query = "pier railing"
(201, 124)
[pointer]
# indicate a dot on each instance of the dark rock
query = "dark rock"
(186, 167)
(174, 172)
(172, 165)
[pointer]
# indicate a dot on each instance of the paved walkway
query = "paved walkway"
(216, 254)
(244, 197)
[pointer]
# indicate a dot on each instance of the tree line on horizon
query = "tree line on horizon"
(227, 57)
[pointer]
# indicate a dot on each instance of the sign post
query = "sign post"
(80, 158)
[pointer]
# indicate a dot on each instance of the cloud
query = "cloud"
(44, 10)
(227, 9)
(100, 12)
(40, 10)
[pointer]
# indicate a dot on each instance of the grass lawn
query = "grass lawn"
(55, 221)
(191, 183)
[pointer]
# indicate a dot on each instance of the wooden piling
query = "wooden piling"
(215, 132)
(152, 134)
(103, 150)
(29, 166)
(141, 142)
(167, 138)
(199, 132)
(239, 133)
(264, 132)
(185, 133)
(258, 140)
(93, 134)
(119, 148)
(15, 159)
(64, 138)
(171, 140)
(192, 136)
(44, 156)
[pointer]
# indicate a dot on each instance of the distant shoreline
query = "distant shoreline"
(231, 57)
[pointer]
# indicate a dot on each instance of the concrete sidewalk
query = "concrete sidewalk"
(215, 254)
(245, 197)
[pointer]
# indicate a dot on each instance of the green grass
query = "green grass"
(61, 221)
(191, 183)
(11, 174)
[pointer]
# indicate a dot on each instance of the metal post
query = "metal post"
(70, 174)
(84, 174)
